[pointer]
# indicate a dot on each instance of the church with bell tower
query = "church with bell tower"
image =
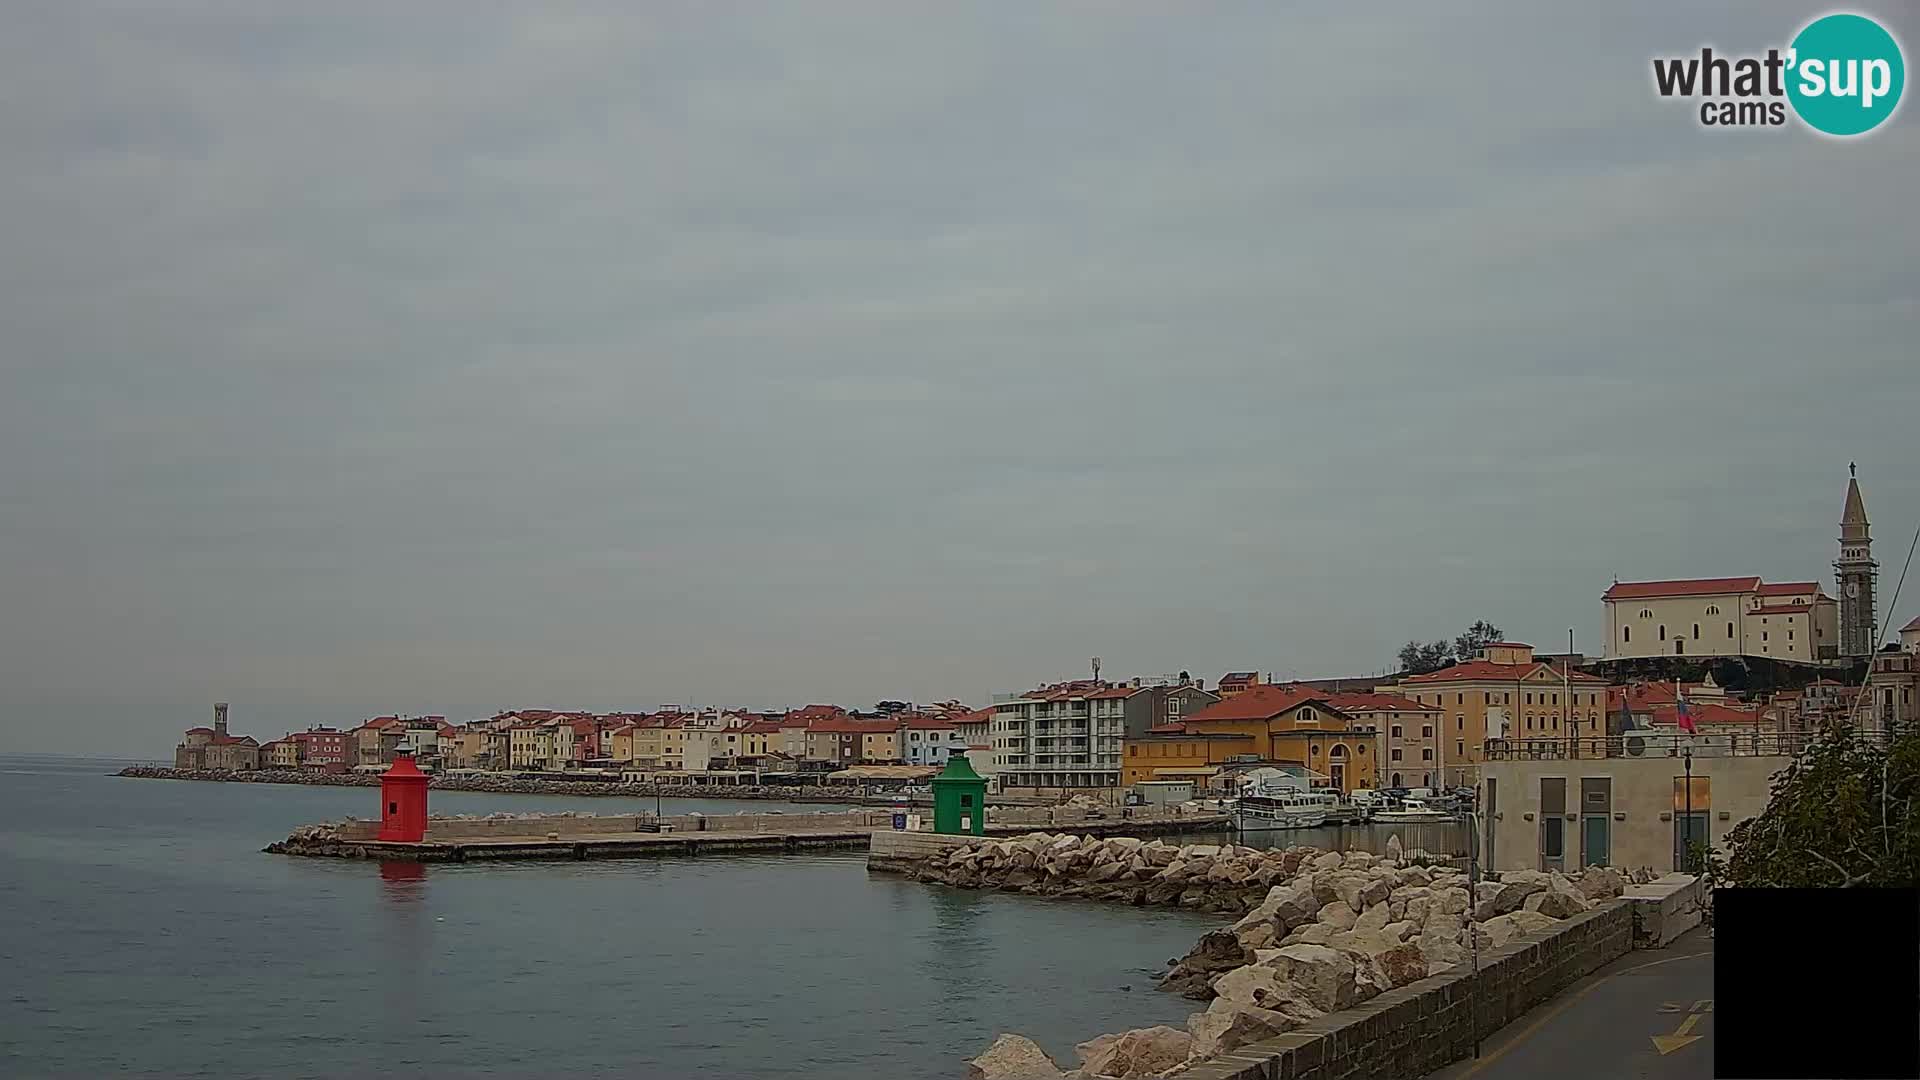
(1855, 572)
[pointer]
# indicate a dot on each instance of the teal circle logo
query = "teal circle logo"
(1845, 74)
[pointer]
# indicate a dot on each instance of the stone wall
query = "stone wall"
(1666, 908)
(903, 852)
(1429, 1024)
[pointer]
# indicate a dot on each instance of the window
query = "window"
(1789, 635)
(1133, 751)
(1663, 631)
(1459, 722)
(1426, 731)
(1459, 749)
(1646, 613)
(1729, 631)
(1696, 631)
(1713, 609)
(1626, 633)
(1529, 699)
(1396, 731)
(1394, 754)
(1763, 635)
(1427, 754)
(1459, 699)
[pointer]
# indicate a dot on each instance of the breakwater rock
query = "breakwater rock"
(1223, 878)
(1330, 931)
(499, 785)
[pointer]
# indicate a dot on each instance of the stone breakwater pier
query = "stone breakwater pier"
(1340, 965)
(594, 836)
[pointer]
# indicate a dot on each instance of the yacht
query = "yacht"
(1269, 811)
(1410, 810)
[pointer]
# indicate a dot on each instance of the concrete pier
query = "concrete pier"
(641, 836)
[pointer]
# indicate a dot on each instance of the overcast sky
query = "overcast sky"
(362, 355)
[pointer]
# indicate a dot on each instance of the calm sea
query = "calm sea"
(142, 933)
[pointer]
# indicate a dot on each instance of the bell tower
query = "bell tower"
(1855, 572)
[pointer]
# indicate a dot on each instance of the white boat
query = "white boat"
(1280, 810)
(1409, 810)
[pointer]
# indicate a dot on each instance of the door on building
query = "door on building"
(1692, 809)
(1679, 646)
(1553, 823)
(1553, 843)
(1688, 829)
(1339, 772)
(1593, 847)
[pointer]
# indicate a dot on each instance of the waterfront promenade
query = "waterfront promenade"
(1646, 1015)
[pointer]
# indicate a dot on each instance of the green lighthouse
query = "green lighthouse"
(960, 798)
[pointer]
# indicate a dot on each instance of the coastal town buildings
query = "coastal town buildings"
(929, 740)
(1066, 736)
(1264, 724)
(1893, 686)
(1505, 693)
(1408, 744)
(215, 748)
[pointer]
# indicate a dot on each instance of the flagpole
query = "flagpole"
(1566, 691)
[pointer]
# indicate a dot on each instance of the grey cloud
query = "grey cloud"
(606, 355)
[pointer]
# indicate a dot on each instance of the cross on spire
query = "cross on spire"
(1851, 470)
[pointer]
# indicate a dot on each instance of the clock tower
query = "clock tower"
(1854, 571)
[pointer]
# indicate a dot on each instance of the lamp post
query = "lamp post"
(1686, 847)
(1473, 930)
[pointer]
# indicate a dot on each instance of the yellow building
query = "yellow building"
(1506, 693)
(620, 745)
(285, 753)
(523, 746)
(880, 746)
(1264, 723)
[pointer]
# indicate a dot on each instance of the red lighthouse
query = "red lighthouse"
(403, 802)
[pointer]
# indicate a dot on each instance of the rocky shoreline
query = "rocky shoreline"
(1325, 931)
(1220, 878)
(498, 785)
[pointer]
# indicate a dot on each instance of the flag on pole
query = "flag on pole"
(1683, 712)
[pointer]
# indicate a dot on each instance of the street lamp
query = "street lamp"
(1686, 832)
(1473, 930)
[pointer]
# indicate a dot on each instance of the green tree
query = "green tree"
(1840, 815)
(1478, 636)
(1417, 658)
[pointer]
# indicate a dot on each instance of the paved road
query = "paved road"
(1604, 1027)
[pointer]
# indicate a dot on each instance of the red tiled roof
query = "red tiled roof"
(977, 716)
(1112, 692)
(234, 740)
(1789, 588)
(1259, 703)
(1646, 590)
(1488, 671)
(854, 727)
(927, 723)
(1669, 715)
(763, 727)
(199, 731)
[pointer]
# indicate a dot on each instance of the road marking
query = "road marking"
(1672, 1007)
(1667, 1044)
(1524, 1033)
(1703, 1005)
